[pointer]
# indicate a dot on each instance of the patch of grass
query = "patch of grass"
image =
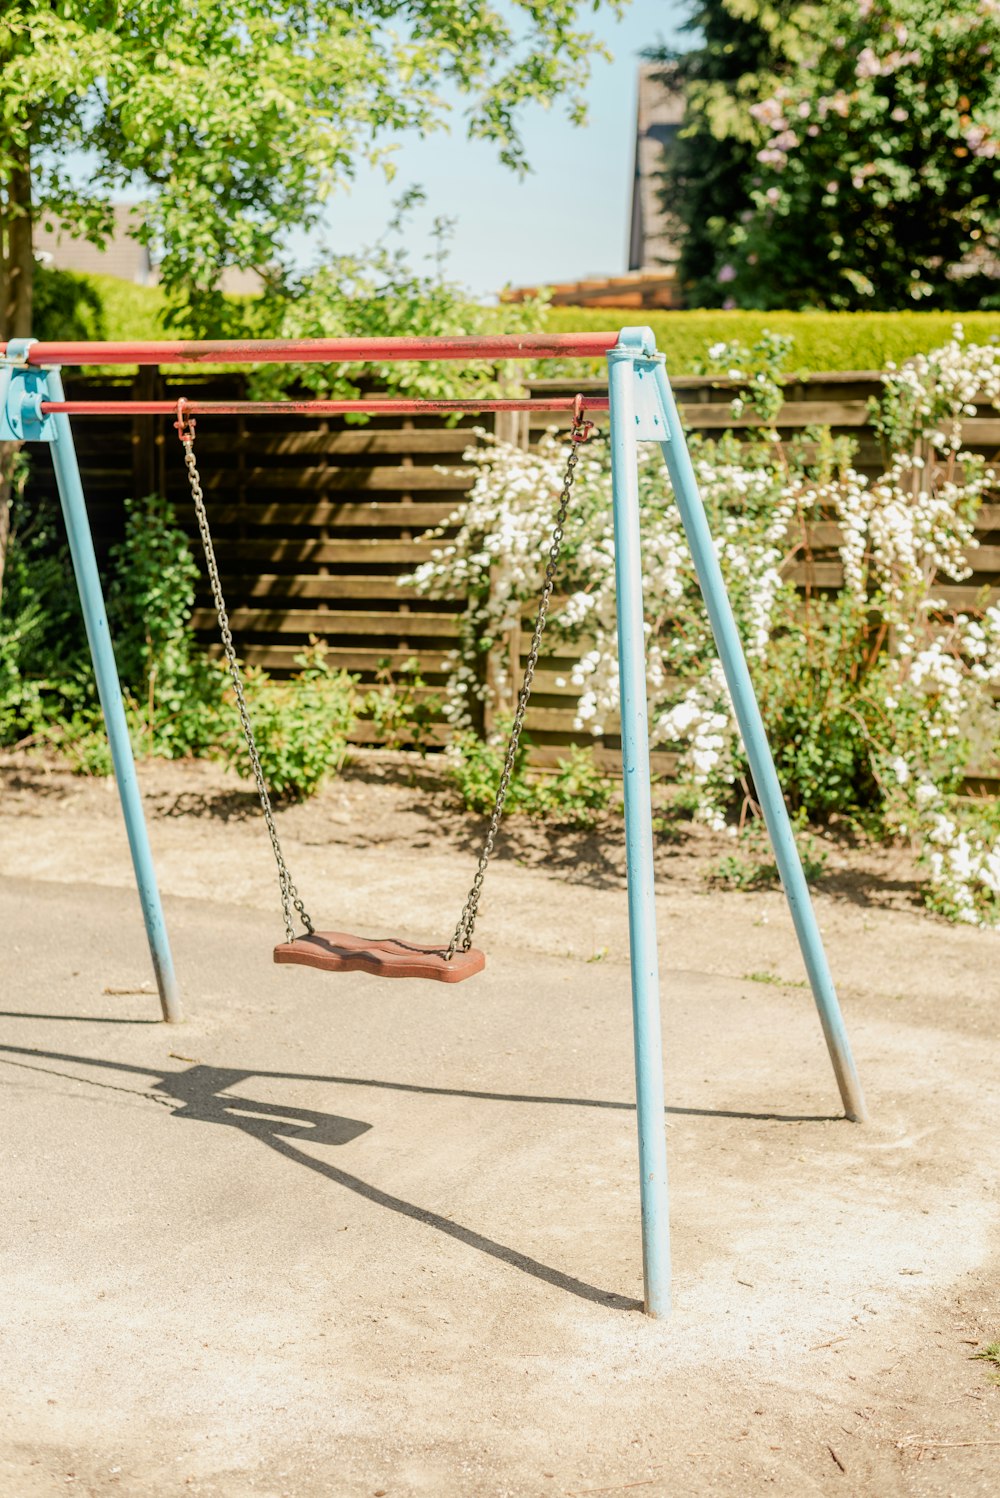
(666, 830)
(735, 872)
(575, 793)
(774, 979)
(990, 1354)
(753, 867)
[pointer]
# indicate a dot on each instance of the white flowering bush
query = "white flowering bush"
(877, 694)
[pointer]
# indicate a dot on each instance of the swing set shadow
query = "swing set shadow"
(200, 1094)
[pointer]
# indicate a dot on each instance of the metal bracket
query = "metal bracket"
(17, 352)
(650, 417)
(22, 390)
(638, 347)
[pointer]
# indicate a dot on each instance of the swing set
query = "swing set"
(336, 951)
(641, 407)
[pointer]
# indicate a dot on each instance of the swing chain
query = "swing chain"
(462, 939)
(289, 894)
(581, 432)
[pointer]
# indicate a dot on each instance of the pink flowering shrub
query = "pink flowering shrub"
(875, 146)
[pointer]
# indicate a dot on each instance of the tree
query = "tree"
(861, 160)
(878, 184)
(745, 48)
(238, 118)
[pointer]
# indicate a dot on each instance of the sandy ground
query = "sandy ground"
(408, 1260)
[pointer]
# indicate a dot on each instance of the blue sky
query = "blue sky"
(567, 219)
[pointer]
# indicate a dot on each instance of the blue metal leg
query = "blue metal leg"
(727, 640)
(639, 841)
(88, 580)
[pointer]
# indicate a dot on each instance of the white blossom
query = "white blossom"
(903, 536)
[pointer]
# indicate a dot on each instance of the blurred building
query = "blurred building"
(659, 114)
(122, 256)
(651, 278)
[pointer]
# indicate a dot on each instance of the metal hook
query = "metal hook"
(185, 424)
(583, 429)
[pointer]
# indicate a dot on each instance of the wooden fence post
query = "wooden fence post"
(503, 662)
(148, 446)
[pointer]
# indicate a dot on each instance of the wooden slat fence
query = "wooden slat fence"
(838, 400)
(316, 519)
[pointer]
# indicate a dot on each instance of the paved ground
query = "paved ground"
(336, 1236)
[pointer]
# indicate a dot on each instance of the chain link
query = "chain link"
(290, 900)
(462, 939)
(289, 894)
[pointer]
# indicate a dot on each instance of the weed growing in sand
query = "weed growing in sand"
(990, 1354)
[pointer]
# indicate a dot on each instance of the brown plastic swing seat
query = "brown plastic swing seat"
(385, 957)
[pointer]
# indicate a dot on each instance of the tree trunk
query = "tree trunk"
(17, 266)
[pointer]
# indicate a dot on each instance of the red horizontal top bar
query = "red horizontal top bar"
(326, 350)
(317, 407)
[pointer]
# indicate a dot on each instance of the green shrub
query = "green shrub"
(44, 670)
(47, 688)
(301, 726)
(173, 694)
(575, 793)
(823, 698)
(69, 306)
(81, 741)
(174, 690)
(873, 699)
(128, 311)
(382, 293)
(403, 709)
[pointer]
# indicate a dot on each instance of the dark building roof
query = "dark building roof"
(123, 256)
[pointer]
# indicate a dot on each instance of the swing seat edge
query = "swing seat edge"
(381, 957)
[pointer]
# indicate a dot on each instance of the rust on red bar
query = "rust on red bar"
(319, 407)
(326, 350)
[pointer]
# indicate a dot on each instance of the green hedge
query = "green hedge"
(130, 311)
(104, 307)
(74, 307)
(823, 340)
